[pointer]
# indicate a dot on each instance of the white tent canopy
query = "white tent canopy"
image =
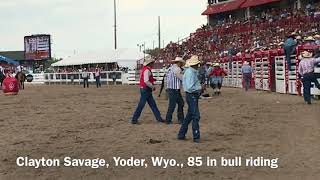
(124, 57)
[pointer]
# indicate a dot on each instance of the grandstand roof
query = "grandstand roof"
(223, 7)
(124, 57)
(252, 3)
(233, 5)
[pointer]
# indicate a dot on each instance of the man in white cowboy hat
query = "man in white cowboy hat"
(174, 83)
(216, 77)
(146, 87)
(306, 72)
(246, 71)
(193, 89)
(309, 41)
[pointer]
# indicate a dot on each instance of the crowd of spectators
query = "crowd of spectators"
(231, 37)
(88, 69)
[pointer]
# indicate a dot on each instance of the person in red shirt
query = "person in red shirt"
(216, 78)
(147, 85)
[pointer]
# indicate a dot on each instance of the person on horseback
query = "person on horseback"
(21, 77)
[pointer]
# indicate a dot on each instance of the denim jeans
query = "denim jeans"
(307, 80)
(216, 82)
(247, 80)
(85, 82)
(98, 82)
(175, 97)
(193, 115)
(146, 96)
(288, 52)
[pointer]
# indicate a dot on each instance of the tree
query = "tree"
(153, 52)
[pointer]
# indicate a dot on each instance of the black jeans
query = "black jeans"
(85, 82)
(175, 97)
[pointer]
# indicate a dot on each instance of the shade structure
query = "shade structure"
(124, 57)
(252, 3)
(8, 60)
(223, 7)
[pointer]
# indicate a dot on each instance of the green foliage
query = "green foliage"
(153, 52)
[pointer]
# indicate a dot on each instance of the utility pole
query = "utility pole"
(159, 32)
(115, 25)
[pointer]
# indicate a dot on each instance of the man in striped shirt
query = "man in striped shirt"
(174, 82)
(306, 72)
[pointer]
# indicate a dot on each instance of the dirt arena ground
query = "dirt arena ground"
(60, 121)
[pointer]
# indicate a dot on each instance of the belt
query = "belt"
(194, 93)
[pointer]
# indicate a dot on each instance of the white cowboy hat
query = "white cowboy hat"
(209, 63)
(317, 36)
(310, 38)
(216, 65)
(178, 59)
(298, 37)
(293, 34)
(306, 54)
(147, 61)
(194, 60)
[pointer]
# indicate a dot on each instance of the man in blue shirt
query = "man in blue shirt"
(246, 71)
(193, 89)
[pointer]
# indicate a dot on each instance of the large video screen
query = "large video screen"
(37, 47)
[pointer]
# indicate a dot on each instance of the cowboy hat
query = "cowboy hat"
(298, 37)
(194, 60)
(310, 38)
(209, 63)
(147, 61)
(216, 64)
(306, 54)
(178, 59)
(293, 34)
(317, 36)
(246, 63)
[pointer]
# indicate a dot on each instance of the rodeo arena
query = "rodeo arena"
(246, 84)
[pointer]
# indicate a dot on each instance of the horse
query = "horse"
(21, 77)
(2, 77)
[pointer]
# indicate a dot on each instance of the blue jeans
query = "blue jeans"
(85, 82)
(289, 50)
(247, 80)
(146, 96)
(175, 97)
(193, 115)
(307, 80)
(216, 82)
(98, 82)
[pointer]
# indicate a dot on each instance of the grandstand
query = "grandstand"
(244, 26)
